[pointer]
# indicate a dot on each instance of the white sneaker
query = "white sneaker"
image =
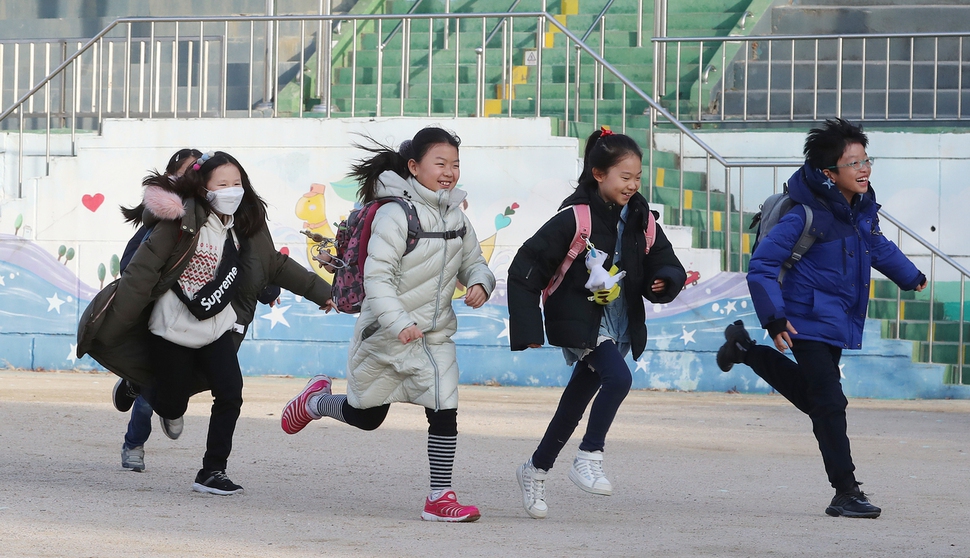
(532, 481)
(587, 473)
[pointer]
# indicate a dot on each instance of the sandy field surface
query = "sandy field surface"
(694, 474)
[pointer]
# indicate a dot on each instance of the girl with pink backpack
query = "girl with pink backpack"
(595, 330)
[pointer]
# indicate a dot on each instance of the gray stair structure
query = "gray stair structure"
(870, 16)
(925, 81)
(53, 21)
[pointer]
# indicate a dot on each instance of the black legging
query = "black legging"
(440, 423)
(175, 367)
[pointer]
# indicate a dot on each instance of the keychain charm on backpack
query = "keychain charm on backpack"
(333, 263)
(599, 278)
(352, 237)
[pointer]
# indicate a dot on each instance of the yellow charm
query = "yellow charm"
(607, 296)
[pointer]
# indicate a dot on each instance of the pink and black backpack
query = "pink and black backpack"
(578, 244)
(354, 234)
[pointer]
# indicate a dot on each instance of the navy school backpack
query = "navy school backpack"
(772, 210)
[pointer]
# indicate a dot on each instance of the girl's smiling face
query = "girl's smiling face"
(225, 176)
(618, 183)
(438, 169)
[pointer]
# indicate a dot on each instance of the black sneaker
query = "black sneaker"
(735, 348)
(124, 394)
(215, 482)
(853, 503)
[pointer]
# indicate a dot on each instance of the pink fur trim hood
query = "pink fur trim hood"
(164, 204)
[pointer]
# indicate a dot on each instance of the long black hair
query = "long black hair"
(386, 158)
(604, 149)
(251, 214)
(824, 146)
(134, 214)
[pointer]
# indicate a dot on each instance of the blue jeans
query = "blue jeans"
(603, 373)
(140, 424)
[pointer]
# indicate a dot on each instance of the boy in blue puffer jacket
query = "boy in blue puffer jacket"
(820, 309)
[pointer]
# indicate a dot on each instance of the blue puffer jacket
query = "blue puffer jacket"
(825, 295)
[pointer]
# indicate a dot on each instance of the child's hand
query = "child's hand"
(475, 297)
(327, 307)
(783, 340)
(659, 285)
(409, 334)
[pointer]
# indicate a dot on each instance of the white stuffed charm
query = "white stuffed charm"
(599, 278)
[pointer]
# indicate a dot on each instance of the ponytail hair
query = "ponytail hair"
(604, 149)
(366, 171)
(386, 158)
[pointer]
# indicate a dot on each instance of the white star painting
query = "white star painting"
(275, 316)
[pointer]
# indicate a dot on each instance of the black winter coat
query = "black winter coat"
(571, 319)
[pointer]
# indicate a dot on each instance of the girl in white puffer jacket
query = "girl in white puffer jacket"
(402, 349)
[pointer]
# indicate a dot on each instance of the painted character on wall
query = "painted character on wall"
(312, 208)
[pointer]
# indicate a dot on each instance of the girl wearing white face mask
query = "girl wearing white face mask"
(197, 277)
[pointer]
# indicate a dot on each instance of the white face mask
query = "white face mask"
(225, 200)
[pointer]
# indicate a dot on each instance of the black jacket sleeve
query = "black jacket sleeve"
(271, 267)
(530, 272)
(662, 263)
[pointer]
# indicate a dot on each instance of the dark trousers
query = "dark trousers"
(605, 371)
(443, 422)
(175, 370)
(812, 384)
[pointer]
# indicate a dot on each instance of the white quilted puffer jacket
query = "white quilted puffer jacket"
(413, 289)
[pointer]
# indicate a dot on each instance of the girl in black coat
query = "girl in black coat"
(595, 330)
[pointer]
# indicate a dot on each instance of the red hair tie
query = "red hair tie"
(605, 131)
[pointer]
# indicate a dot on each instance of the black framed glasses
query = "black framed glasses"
(856, 165)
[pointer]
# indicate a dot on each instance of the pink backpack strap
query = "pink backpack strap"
(650, 233)
(576, 247)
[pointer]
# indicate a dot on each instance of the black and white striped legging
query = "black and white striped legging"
(442, 432)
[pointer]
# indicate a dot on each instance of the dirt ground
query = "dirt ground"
(695, 474)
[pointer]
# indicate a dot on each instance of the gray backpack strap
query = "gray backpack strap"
(804, 242)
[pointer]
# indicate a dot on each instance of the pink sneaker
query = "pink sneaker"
(447, 508)
(296, 415)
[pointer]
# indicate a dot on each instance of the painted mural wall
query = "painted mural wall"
(61, 241)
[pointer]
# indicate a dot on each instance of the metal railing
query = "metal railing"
(935, 255)
(580, 89)
(203, 67)
(25, 61)
(888, 77)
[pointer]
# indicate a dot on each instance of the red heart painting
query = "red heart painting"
(92, 202)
